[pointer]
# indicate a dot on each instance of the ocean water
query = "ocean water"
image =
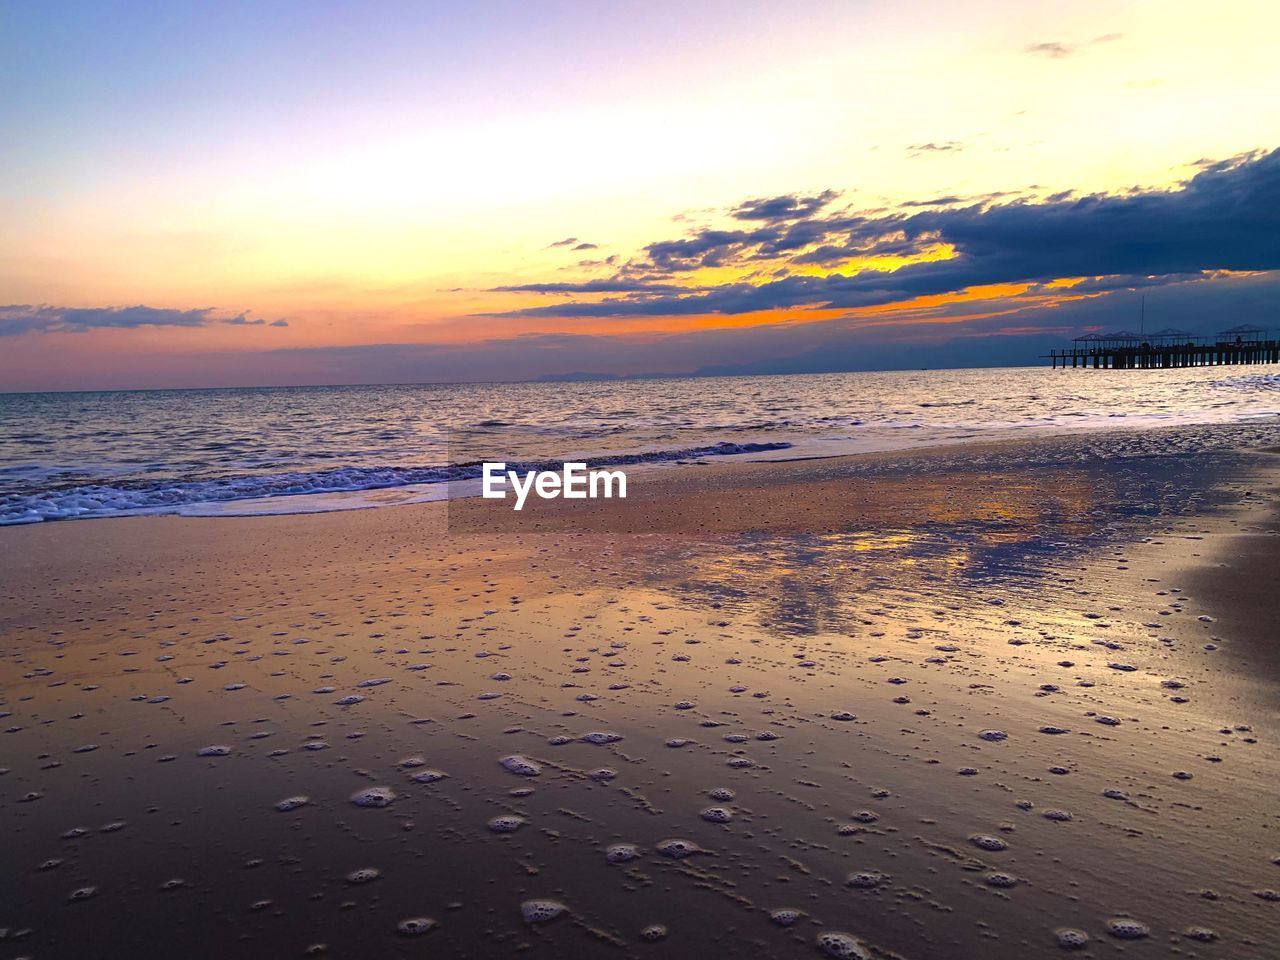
(301, 449)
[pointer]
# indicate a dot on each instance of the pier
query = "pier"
(1124, 350)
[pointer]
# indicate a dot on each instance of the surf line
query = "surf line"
(573, 482)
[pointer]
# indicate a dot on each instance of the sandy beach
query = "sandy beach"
(979, 702)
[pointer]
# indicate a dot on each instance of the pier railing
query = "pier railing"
(1151, 356)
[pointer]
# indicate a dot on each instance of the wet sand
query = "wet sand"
(956, 704)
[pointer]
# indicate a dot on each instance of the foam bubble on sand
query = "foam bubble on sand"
(520, 765)
(376, 797)
(415, 926)
(1001, 880)
(602, 774)
(599, 737)
(723, 794)
(716, 815)
(541, 911)
(1112, 793)
(349, 700)
(1069, 938)
(678, 849)
(506, 824)
(1202, 934)
(677, 742)
(289, 804)
(843, 716)
(621, 852)
(740, 763)
(1060, 816)
(1126, 928)
(364, 875)
(216, 750)
(376, 682)
(866, 879)
(988, 843)
(428, 776)
(993, 736)
(785, 916)
(866, 816)
(653, 933)
(82, 893)
(1054, 731)
(842, 946)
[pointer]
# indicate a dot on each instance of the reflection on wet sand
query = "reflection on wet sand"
(979, 716)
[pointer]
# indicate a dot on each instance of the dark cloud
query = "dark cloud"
(1226, 217)
(566, 242)
(41, 318)
(1011, 334)
(785, 207)
(243, 320)
(587, 246)
(935, 202)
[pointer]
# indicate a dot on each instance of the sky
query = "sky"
(198, 194)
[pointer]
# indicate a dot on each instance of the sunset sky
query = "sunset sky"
(275, 193)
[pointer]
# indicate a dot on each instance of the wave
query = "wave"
(127, 497)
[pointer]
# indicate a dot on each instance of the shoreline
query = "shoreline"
(1255, 431)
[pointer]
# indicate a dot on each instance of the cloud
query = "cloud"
(786, 207)
(944, 146)
(1057, 50)
(17, 319)
(1052, 49)
(608, 285)
(1225, 218)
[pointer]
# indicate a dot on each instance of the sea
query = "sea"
(269, 450)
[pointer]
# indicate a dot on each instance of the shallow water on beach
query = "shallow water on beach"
(299, 449)
(952, 736)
